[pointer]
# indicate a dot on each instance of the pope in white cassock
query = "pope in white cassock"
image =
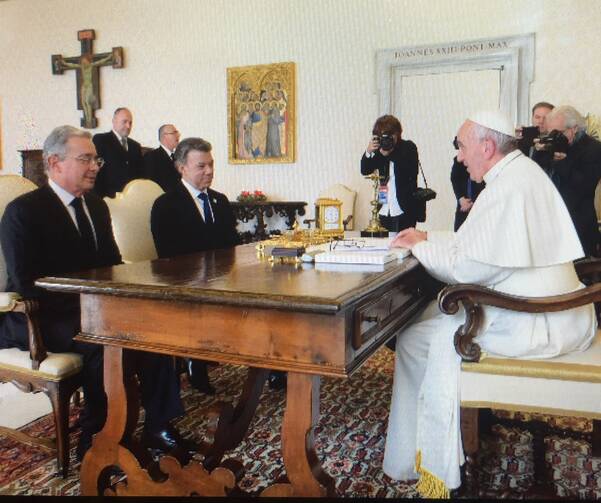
(518, 239)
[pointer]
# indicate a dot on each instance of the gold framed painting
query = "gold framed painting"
(261, 101)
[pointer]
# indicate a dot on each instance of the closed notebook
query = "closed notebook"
(361, 256)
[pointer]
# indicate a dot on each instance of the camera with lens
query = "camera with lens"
(553, 142)
(386, 141)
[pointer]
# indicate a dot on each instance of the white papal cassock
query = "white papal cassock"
(518, 238)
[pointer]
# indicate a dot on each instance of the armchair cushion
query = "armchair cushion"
(566, 385)
(55, 366)
(8, 300)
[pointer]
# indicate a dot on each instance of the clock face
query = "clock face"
(331, 214)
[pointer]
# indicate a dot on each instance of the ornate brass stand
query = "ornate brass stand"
(374, 229)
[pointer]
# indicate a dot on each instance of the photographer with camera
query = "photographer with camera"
(572, 159)
(397, 163)
(528, 137)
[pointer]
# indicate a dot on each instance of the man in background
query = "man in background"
(158, 163)
(63, 227)
(576, 173)
(191, 218)
(121, 154)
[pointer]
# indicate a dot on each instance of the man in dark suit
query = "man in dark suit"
(396, 160)
(59, 228)
(465, 189)
(122, 156)
(576, 172)
(158, 163)
(191, 218)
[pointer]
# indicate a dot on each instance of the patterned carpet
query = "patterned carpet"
(349, 441)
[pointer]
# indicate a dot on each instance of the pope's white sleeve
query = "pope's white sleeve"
(439, 255)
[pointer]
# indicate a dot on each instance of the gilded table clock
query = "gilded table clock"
(328, 216)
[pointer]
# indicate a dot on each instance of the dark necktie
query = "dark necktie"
(206, 207)
(172, 155)
(124, 143)
(83, 223)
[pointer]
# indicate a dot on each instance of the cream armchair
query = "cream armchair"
(55, 374)
(130, 213)
(568, 385)
(347, 196)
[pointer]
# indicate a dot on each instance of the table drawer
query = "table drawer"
(381, 313)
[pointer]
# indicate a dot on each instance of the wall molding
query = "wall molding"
(514, 56)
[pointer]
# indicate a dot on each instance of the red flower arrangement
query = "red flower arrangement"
(247, 196)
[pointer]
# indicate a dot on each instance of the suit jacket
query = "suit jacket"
(178, 228)
(159, 167)
(460, 179)
(405, 160)
(40, 239)
(120, 166)
(577, 177)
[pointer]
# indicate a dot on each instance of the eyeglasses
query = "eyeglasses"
(172, 132)
(88, 161)
(342, 244)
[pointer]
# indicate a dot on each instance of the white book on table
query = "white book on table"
(359, 256)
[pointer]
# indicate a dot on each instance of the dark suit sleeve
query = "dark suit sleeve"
(405, 173)
(100, 187)
(232, 237)
(20, 248)
(459, 179)
(109, 253)
(370, 164)
(581, 172)
(165, 231)
(137, 161)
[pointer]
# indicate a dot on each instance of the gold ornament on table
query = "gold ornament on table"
(374, 229)
(328, 217)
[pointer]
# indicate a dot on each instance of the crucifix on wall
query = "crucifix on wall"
(86, 67)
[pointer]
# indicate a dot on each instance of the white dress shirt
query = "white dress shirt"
(194, 193)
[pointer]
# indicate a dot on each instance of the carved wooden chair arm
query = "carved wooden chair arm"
(473, 297)
(37, 349)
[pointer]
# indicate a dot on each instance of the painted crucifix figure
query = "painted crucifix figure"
(86, 67)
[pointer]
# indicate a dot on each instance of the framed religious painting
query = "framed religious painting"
(261, 114)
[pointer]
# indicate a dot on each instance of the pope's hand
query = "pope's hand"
(408, 238)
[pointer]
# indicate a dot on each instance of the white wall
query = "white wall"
(176, 55)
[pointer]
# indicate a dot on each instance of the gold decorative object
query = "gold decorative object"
(261, 113)
(328, 217)
(593, 126)
(374, 229)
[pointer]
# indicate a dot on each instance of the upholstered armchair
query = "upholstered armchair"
(55, 374)
(130, 213)
(347, 196)
(568, 385)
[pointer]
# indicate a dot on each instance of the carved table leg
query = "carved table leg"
(234, 422)
(306, 476)
(113, 446)
(121, 419)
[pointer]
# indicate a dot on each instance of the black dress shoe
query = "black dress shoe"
(199, 377)
(167, 439)
(277, 380)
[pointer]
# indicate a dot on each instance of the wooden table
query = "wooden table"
(230, 306)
